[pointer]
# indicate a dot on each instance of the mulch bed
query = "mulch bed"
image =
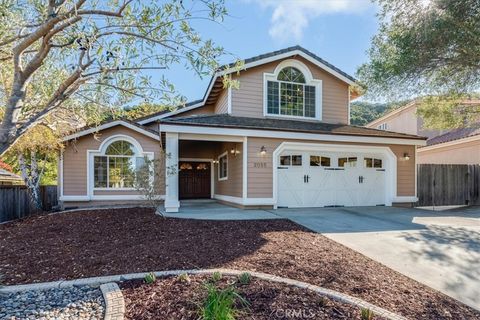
(117, 241)
(171, 298)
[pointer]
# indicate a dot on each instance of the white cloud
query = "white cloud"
(290, 18)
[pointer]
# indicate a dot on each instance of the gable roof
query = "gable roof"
(406, 107)
(250, 63)
(229, 121)
(455, 134)
(125, 123)
(6, 175)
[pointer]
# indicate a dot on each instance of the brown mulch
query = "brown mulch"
(118, 241)
(170, 298)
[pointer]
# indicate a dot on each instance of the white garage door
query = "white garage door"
(320, 179)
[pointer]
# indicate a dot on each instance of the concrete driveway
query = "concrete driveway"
(439, 249)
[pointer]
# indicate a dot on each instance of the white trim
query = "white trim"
(60, 178)
(449, 143)
(172, 204)
(229, 100)
(309, 81)
(245, 169)
(286, 55)
(403, 199)
(74, 198)
(203, 130)
(106, 197)
(225, 154)
(247, 66)
(110, 125)
(101, 151)
(390, 163)
(245, 202)
(212, 173)
(416, 172)
(349, 107)
(209, 137)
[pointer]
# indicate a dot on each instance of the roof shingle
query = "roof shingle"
(228, 121)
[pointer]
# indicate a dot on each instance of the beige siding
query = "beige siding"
(221, 106)
(463, 153)
(260, 178)
(75, 159)
(209, 109)
(248, 100)
(233, 185)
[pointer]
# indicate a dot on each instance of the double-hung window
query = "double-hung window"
(223, 166)
(290, 95)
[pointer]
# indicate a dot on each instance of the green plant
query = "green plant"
(367, 314)
(244, 278)
(220, 303)
(184, 278)
(150, 278)
(216, 276)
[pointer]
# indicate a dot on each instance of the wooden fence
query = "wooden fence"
(448, 184)
(15, 201)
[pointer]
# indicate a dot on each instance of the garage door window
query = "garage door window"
(373, 163)
(291, 160)
(347, 162)
(319, 161)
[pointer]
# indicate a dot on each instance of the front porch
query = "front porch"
(204, 167)
(214, 210)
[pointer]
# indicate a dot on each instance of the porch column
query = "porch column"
(171, 172)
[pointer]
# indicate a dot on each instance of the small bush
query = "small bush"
(244, 278)
(216, 276)
(220, 303)
(150, 278)
(184, 278)
(367, 314)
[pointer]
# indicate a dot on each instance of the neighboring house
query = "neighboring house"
(8, 178)
(454, 146)
(281, 139)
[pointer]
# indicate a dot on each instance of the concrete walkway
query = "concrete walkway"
(439, 249)
(212, 210)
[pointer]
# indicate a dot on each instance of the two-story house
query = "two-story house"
(282, 139)
(450, 146)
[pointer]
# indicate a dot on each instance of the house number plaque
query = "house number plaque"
(259, 164)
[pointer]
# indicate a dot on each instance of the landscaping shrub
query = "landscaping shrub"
(184, 277)
(220, 303)
(216, 276)
(244, 278)
(150, 278)
(367, 314)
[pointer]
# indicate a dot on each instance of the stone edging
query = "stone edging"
(114, 303)
(264, 276)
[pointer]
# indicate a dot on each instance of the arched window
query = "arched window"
(290, 94)
(117, 166)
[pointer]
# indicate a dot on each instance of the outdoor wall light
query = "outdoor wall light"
(406, 156)
(234, 151)
(263, 151)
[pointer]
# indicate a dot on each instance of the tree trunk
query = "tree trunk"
(31, 177)
(8, 126)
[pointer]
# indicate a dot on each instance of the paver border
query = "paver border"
(335, 295)
(114, 302)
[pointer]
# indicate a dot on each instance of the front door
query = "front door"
(194, 180)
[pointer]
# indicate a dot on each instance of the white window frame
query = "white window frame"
(223, 155)
(309, 81)
(91, 154)
(383, 126)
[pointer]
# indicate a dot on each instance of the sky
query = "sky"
(338, 31)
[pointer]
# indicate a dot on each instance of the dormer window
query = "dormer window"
(292, 92)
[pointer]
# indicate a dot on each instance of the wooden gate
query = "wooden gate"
(448, 184)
